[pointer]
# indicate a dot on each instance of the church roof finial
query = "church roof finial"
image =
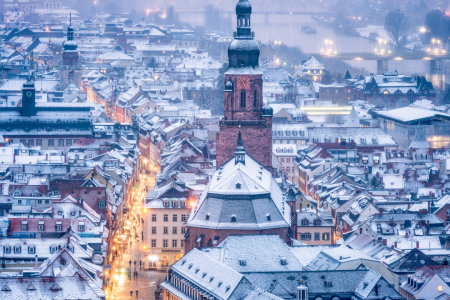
(239, 141)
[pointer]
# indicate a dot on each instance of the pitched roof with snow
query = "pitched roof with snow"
(241, 196)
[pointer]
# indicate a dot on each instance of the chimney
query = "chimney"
(381, 213)
(409, 204)
(406, 234)
(46, 156)
(36, 261)
(392, 247)
(417, 244)
(385, 242)
(360, 231)
(395, 245)
(324, 167)
(300, 207)
(429, 203)
(82, 201)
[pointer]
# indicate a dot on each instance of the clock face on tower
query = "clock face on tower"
(243, 83)
(29, 94)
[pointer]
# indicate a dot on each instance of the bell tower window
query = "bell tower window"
(243, 98)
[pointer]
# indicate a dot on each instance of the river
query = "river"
(286, 29)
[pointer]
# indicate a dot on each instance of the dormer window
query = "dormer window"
(317, 222)
(374, 140)
(238, 186)
(58, 226)
(207, 217)
(174, 203)
(102, 204)
(80, 226)
(53, 249)
(268, 217)
(305, 222)
(183, 203)
(17, 249)
(166, 203)
(31, 249)
(7, 249)
(233, 218)
(41, 226)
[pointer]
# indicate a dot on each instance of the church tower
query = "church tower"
(70, 54)
(243, 103)
(69, 74)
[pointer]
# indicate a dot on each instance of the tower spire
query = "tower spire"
(239, 141)
(70, 19)
(239, 153)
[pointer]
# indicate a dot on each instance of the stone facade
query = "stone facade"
(246, 116)
(209, 235)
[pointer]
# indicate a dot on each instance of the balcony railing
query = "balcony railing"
(242, 122)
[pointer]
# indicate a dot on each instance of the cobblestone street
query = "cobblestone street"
(145, 283)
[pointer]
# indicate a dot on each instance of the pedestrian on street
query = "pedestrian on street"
(134, 263)
(131, 293)
(130, 263)
(140, 262)
(136, 274)
(137, 293)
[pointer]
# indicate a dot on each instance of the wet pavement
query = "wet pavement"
(146, 281)
(120, 283)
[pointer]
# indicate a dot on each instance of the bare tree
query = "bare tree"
(396, 25)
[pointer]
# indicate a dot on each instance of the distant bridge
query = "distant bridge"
(410, 55)
(258, 12)
(383, 59)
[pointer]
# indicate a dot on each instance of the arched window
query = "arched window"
(254, 98)
(242, 98)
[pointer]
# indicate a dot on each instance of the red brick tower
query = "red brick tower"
(243, 103)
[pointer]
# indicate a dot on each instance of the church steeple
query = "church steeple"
(243, 13)
(243, 51)
(70, 44)
(244, 116)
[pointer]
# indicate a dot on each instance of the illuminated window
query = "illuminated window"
(386, 92)
(440, 288)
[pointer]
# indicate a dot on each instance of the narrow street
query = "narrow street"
(146, 281)
(122, 279)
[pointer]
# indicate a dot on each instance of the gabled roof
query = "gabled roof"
(253, 251)
(208, 273)
(241, 196)
(411, 261)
